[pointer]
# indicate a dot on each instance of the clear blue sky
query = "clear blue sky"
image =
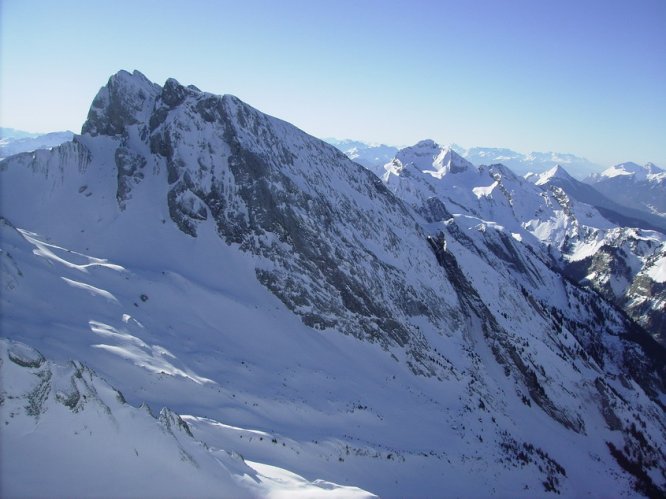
(586, 77)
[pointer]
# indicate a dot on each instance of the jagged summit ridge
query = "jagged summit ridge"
(127, 99)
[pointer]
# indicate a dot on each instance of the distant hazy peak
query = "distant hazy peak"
(629, 168)
(17, 141)
(533, 162)
(346, 144)
(493, 152)
(13, 133)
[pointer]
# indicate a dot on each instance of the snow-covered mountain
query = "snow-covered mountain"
(585, 193)
(624, 264)
(14, 141)
(649, 172)
(587, 240)
(639, 187)
(293, 308)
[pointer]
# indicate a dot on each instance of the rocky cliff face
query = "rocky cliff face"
(222, 234)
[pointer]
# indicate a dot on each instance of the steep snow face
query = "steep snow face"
(65, 431)
(657, 270)
(202, 255)
(191, 328)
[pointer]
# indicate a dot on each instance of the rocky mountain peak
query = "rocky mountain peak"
(127, 99)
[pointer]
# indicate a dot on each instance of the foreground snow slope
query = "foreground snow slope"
(206, 257)
(85, 440)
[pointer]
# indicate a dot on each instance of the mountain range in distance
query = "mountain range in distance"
(375, 156)
(444, 329)
(637, 191)
(14, 141)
